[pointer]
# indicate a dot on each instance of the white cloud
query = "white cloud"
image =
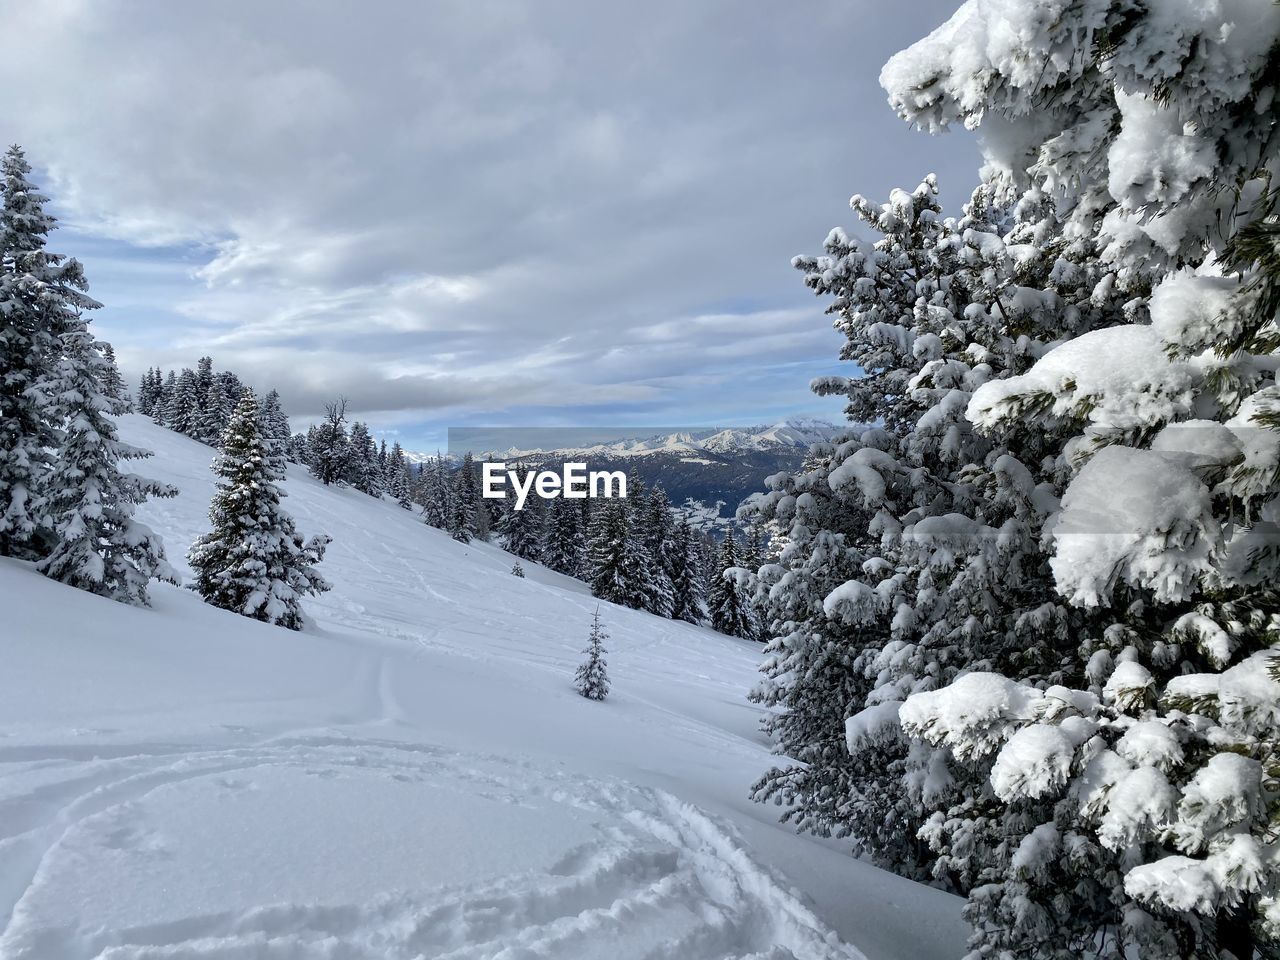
(570, 192)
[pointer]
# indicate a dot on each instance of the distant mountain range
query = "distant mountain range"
(793, 434)
(708, 471)
(416, 456)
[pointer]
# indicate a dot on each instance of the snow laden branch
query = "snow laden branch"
(1112, 762)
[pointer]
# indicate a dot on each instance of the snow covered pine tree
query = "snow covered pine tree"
(149, 391)
(656, 528)
(164, 396)
(63, 499)
(1127, 803)
(947, 523)
(686, 578)
(940, 523)
(253, 562)
(461, 498)
(363, 470)
(112, 382)
(730, 598)
(40, 296)
(616, 560)
(275, 422)
(564, 540)
(523, 532)
(182, 410)
(99, 546)
(435, 493)
(396, 476)
(592, 680)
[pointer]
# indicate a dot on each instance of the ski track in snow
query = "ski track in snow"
(661, 880)
(412, 777)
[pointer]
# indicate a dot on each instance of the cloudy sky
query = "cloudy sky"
(470, 213)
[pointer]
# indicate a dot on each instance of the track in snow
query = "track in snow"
(635, 872)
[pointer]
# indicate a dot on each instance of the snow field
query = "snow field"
(412, 776)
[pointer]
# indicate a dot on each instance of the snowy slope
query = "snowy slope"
(411, 777)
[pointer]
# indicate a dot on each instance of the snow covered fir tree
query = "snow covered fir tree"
(730, 599)
(592, 677)
(40, 293)
(253, 562)
(64, 501)
(99, 546)
(523, 532)
(1054, 663)
(617, 565)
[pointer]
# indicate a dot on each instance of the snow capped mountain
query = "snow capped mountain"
(797, 433)
(416, 456)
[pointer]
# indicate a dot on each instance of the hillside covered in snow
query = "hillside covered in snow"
(411, 776)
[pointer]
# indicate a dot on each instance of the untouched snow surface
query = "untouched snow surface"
(413, 776)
